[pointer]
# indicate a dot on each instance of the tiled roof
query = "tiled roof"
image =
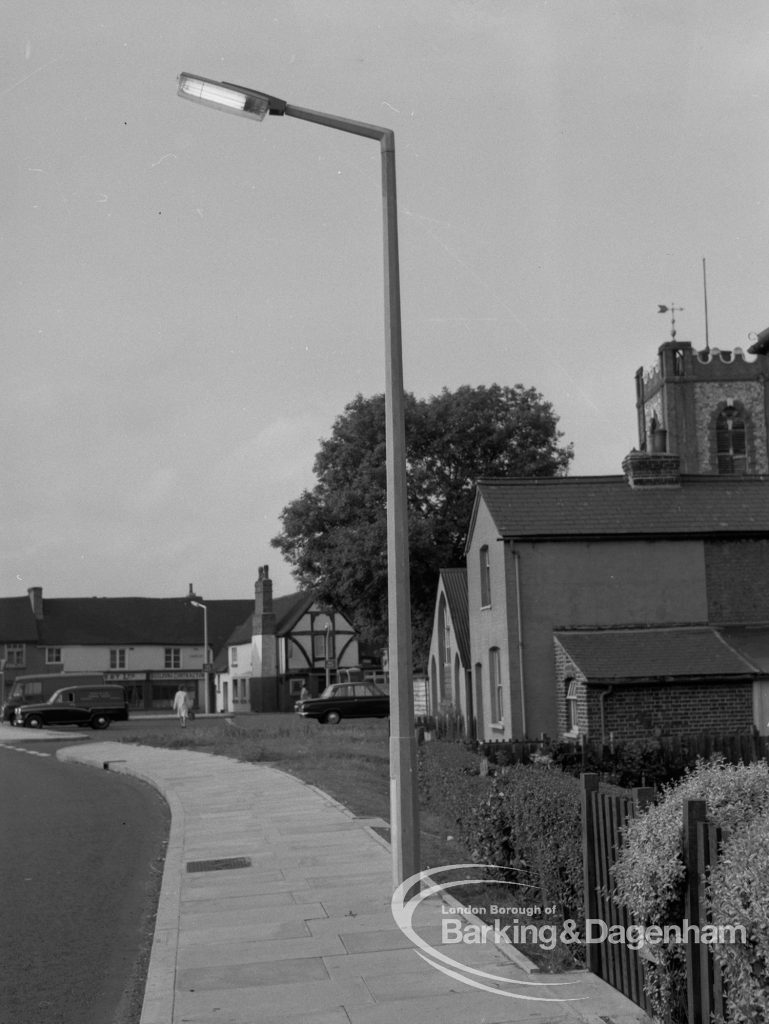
(288, 609)
(17, 623)
(136, 620)
(563, 507)
(118, 621)
(455, 588)
(752, 642)
(640, 654)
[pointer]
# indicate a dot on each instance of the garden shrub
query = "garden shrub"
(649, 875)
(541, 818)
(451, 783)
(633, 763)
(738, 895)
(526, 817)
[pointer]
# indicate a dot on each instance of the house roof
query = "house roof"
(752, 642)
(17, 623)
(118, 620)
(643, 654)
(287, 609)
(455, 587)
(607, 506)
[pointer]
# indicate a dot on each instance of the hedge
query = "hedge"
(526, 817)
(649, 873)
(738, 895)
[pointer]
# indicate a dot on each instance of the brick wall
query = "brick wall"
(737, 580)
(668, 709)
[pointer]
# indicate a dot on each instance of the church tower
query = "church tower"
(709, 407)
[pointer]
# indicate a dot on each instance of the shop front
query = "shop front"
(154, 691)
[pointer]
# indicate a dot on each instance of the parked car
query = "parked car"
(346, 700)
(37, 689)
(96, 706)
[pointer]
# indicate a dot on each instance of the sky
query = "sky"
(190, 299)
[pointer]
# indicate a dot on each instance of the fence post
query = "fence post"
(695, 811)
(589, 786)
(642, 797)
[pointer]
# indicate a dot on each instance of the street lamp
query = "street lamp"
(206, 698)
(404, 814)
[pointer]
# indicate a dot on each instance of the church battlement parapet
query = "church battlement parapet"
(681, 360)
(726, 355)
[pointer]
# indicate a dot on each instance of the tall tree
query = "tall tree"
(335, 536)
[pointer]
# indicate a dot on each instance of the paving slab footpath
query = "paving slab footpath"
(275, 909)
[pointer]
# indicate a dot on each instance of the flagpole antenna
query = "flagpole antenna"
(705, 291)
(672, 309)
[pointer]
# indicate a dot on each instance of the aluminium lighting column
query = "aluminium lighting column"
(404, 812)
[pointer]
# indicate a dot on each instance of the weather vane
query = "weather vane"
(672, 309)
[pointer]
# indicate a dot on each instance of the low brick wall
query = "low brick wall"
(643, 711)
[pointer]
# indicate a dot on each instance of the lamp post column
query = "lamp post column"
(206, 694)
(206, 697)
(404, 810)
(404, 807)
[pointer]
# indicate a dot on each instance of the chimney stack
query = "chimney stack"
(264, 692)
(264, 616)
(36, 600)
(652, 469)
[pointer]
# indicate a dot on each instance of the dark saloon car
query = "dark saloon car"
(346, 700)
(96, 706)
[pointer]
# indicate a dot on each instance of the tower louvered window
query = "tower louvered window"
(730, 442)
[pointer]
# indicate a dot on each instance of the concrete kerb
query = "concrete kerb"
(160, 987)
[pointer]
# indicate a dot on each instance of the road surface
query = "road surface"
(81, 857)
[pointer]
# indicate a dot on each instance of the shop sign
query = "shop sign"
(174, 676)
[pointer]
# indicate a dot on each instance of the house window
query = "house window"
(117, 657)
(53, 655)
(495, 685)
(572, 715)
(15, 655)
(730, 442)
(173, 657)
(485, 578)
(296, 684)
(233, 656)
(444, 652)
(319, 651)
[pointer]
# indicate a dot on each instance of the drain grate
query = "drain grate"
(219, 864)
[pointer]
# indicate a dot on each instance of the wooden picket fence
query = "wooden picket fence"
(702, 842)
(603, 816)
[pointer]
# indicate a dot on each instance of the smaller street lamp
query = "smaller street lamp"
(206, 701)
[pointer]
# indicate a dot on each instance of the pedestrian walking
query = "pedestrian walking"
(181, 706)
